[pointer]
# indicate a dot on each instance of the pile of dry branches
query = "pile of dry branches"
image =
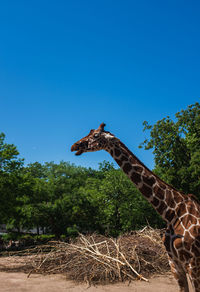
(99, 259)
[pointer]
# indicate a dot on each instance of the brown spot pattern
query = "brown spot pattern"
(170, 214)
(149, 180)
(155, 202)
(138, 169)
(177, 197)
(184, 255)
(147, 191)
(181, 209)
(135, 177)
(117, 152)
(169, 199)
(161, 207)
(124, 158)
(127, 167)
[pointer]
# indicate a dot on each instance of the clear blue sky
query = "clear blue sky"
(67, 66)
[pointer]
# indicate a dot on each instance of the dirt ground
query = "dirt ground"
(13, 279)
(18, 282)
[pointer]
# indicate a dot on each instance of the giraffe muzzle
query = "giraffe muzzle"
(79, 148)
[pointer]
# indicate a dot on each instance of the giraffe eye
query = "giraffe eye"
(96, 135)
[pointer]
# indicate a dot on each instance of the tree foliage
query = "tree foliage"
(62, 198)
(10, 165)
(176, 149)
(66, 199)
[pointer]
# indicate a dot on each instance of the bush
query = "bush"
(43, 238)
(27, 239)
(72, 231)
(10, 236)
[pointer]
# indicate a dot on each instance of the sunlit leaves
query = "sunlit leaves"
(176, 148)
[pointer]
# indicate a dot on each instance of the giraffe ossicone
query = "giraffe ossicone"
(181, 212)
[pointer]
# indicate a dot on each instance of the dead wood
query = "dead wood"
(99, 259)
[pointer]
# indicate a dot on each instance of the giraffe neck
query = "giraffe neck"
(162, 196)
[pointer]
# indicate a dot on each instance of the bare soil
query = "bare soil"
(18, 282)
(12, 279)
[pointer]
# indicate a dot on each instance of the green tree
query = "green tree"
(10, 166)
(119, 206)
(176, 148)
(65, 206)
(9, 160)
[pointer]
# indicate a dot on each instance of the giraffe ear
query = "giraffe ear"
(101, 127)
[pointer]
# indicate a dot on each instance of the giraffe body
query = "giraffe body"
(181, 212)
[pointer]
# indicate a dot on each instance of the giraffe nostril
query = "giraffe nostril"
(75, 146)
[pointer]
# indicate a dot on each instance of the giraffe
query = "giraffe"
(181, 212)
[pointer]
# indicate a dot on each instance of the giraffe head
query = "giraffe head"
(96, 140)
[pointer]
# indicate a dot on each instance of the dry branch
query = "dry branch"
(99, 259)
